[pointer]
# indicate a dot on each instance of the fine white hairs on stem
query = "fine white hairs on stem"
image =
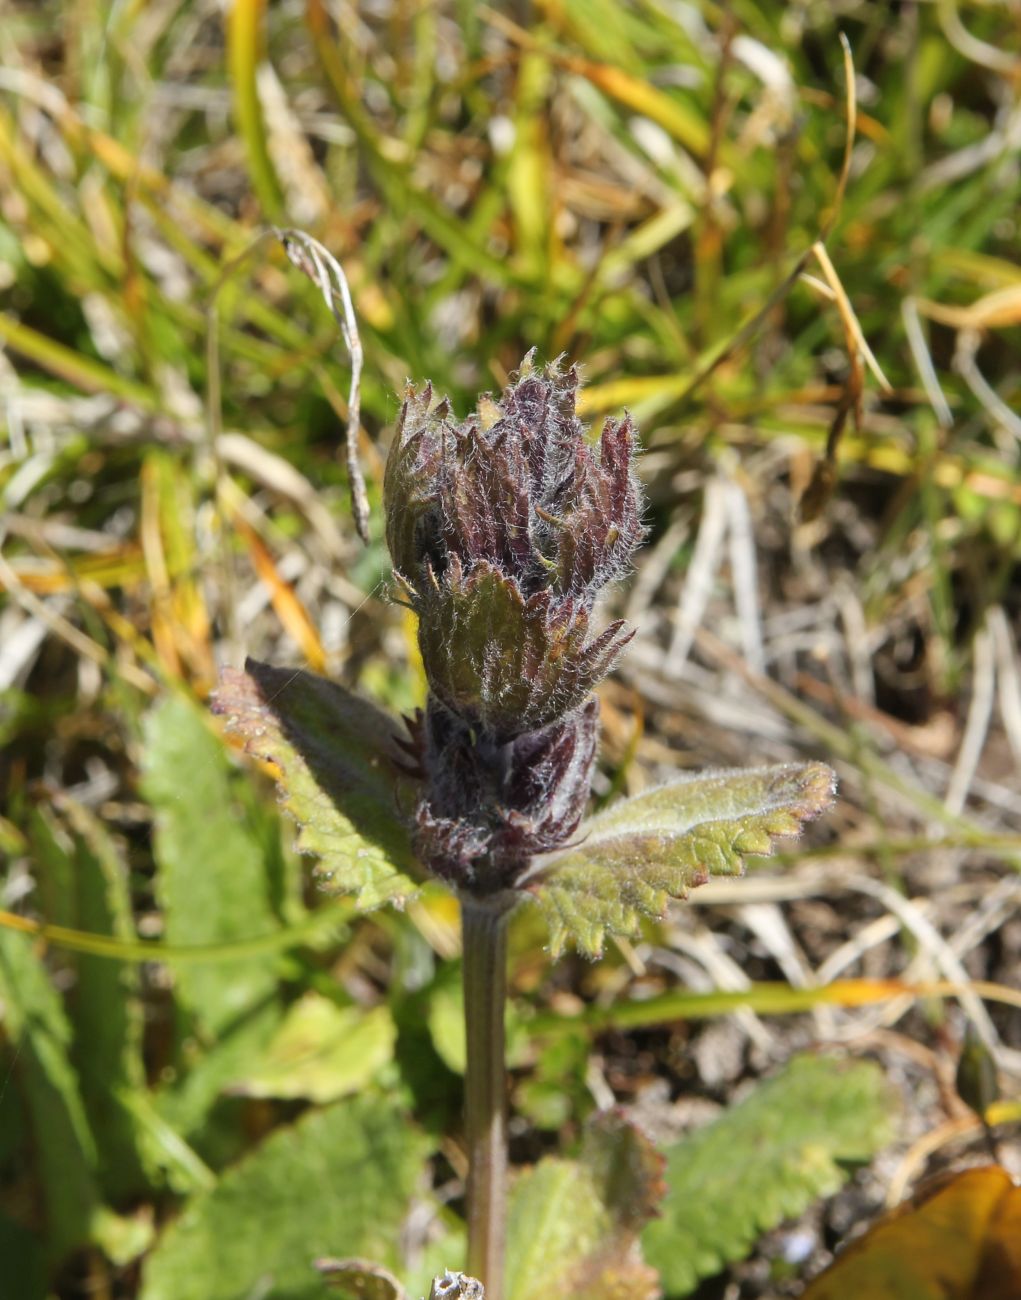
(326, 273)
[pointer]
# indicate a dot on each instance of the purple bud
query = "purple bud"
(502, 533)
(503, 529)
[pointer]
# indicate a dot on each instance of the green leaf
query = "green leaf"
(24, 1273)
(573, 1225)
(64, 1149)
(52, 867)
(106, 1008)
(245, 51)
(185, 1102)
(84, 882)
(643, 851)
(766, 1159)
(322, 1052)
(336, 1183)
(334, 753)
(445, 1019)
(212, 882)
(65, 1152)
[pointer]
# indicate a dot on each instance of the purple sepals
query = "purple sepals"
(488, 806)
(503, 530)
(411, 485)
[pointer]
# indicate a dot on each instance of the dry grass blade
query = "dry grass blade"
(980, 712)
(968, 342)
(856, 341)
(326, 273)
(699, 578)
(923, 362)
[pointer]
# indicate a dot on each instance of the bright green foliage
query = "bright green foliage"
(642, 851)
(212, 880)
(573, 1225)
(321, 1052)
(766, 1159)
(555, 1090)
(445, 1017)
(336, 1183)
(333, 750)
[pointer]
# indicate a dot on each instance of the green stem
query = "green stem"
(484, 932)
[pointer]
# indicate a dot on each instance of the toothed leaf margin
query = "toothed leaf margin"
(332, 751)
(634, 857)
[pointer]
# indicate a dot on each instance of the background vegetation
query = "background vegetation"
(833, 569)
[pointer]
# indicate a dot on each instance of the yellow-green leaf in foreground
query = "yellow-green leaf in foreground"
(334, 754)
(574, 1224)
(321, 1052)
(643, 851)
(961, 1241)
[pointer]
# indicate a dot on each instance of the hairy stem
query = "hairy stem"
(484, 930)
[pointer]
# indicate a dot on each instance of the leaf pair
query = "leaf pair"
(334, 756)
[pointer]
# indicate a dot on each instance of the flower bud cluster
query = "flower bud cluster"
(503, 530)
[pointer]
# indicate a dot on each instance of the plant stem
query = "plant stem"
(484, 933)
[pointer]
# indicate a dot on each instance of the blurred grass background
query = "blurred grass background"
(831, 458)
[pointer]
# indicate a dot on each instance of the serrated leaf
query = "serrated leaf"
(333, 752)
(106, 1009)
(643, 851)
(764, 1160)
(36, 1027)
(52, 867)
(212, 881)
(573, 1225)
(322, 1052)
(76, 858)
(958, 1241)
(338, 1182)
